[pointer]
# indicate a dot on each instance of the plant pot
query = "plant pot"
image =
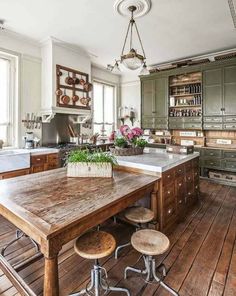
(118, 151)
(90, 169)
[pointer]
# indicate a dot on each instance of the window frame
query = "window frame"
(12, 127)
(104, 83)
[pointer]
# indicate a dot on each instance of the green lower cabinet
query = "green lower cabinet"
(229, 154)
(229, 165)
(211, 163)
(185, 123)
(155, 123)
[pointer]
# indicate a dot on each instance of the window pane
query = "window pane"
(108, 129)
(98, 102)
(97, 128)
(4, 89)
(3, 133)
(108, 104)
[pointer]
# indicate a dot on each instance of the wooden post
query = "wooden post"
(154, 201)
(51, 281)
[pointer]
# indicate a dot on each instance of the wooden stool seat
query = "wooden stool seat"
(139, 214)
(150, 242)
(95, 245)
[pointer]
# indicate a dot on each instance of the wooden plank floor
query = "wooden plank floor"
(201, 260)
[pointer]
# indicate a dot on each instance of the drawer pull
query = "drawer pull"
(169, 211)
(196, 186)
(189, 193)
(38, 159)
(180, 184)
(168, 176)
(180, 201)
(189, 178)
(211, 163)
(211, 153)
(168, 192)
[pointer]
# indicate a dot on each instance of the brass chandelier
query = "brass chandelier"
(131, 60)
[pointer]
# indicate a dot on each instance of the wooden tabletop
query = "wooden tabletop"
(50, 201)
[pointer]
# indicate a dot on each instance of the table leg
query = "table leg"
(51, 281)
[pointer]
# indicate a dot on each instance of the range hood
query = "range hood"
(56, 52)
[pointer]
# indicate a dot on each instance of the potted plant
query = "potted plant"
(128, 141)
(82, 163)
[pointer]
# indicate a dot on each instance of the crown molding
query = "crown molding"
(63, 44)
(12, 34)
(210, 56)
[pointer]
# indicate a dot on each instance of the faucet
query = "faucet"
(1, 143)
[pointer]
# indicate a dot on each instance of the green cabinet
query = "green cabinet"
(154, 103)
(148, 98)
(212, 92)
(230, 90)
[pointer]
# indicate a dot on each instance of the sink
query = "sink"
(14, 159)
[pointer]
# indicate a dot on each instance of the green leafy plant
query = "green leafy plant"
(140, 143)
(95, 157)
(121, 142)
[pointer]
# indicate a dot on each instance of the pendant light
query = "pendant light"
(131, 60)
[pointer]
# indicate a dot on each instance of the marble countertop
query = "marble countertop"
(42, 150)
(155, 160)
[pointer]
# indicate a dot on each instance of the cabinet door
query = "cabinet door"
(148, 97)
(161, 108)
(230, 90)
(212, 92)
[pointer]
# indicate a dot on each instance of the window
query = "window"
(104, 108)
(7, 78)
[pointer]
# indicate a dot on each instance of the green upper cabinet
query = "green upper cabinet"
(148, 97)
(161, 90)
(230, 90)
(212, 92)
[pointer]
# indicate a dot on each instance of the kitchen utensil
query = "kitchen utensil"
(65, 99)
(82, 81)
(88, 86)
(69, 80)
(84, 101)
(75, 98)
(58, 92)
(76, 80)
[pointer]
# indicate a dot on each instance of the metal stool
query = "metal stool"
(19, 235)
(139, 216)
(96, 245)
(150, 243)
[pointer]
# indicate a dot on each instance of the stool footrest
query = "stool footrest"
(150, 272)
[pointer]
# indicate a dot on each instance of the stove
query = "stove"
(66, 148)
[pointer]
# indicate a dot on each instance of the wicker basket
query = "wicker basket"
(126, 151)
(85, 169)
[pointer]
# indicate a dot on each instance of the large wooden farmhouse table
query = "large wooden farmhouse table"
(53, 209)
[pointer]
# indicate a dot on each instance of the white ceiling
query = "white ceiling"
(173, 29)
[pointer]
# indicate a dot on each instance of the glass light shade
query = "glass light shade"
(116, 69)
(144, 70)
(132, 60)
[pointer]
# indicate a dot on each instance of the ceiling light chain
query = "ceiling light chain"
(132, 60)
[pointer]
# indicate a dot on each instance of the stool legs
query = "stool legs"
(150, 271)
(19, 235)
(99, 283)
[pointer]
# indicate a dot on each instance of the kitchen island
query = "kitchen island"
(179, 184)
(53, 209)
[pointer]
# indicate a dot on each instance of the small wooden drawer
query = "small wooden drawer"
(189, 177)
(180, 203)
(188, 166)
(229, 165)
(169, 194)
(38, 159)
(168, 177)
(229, 119)
(211, 163)
(212, 153)
(179, 185)
(37, 168)
(212, 119)
(52, 158)
(169, 211)
(213, 126)
(196, 173)
(229, 126)
(229, 154)
(179, 171)
(14, 174)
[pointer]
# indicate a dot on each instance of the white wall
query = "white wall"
(29, 55)
(131, 94)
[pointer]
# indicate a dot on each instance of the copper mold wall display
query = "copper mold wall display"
(72, 88)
